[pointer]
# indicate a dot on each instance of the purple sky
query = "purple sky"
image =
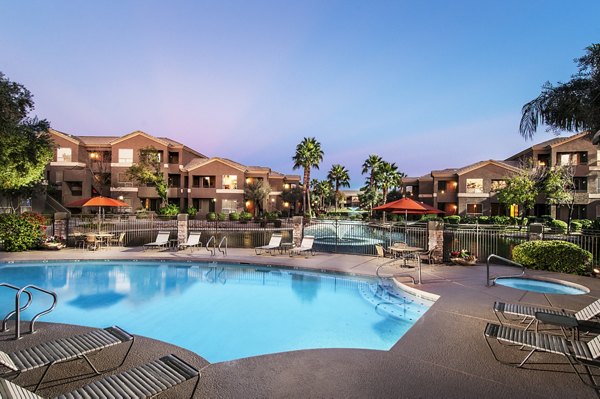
(427, 85)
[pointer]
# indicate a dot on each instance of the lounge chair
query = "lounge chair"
(527, 314)
(118, 241)
(306, 246)
(144, 381)
(274, 244)
(162, 240)
(63, 350)
(192, 241)
(578, 353)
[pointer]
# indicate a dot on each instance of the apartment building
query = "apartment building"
(472, 189)
(85, 166)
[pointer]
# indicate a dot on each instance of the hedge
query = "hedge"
(554, 256)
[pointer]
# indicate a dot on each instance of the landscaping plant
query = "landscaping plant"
(554, 256)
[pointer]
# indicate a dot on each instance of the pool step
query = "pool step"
(389, 302)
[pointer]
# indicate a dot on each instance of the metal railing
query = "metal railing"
(508, 262)
(18, 308)
(223, 251)
(213, 251)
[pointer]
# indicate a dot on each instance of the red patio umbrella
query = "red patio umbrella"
(407, 206)
(101, 202)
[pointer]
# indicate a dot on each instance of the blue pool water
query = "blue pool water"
(542, 286)
(220, 311)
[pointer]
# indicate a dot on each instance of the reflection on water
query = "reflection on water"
(234, 311)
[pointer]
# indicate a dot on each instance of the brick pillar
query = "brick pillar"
(61, 220)
(182, 228)
(297, 221)
(535, 231)
(435, 240)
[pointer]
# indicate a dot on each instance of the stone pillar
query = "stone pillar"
(182, 228)
(61, 222)
(435, 240)
(297, 222)
(536, 230)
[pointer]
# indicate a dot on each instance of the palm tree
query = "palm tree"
(386, 177)
(370, 166)
(257, 191)
(571, 106)
(308, 155)
(339, 177)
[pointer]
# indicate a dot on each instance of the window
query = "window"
(196, 183)
(442, 186)
(174, 180)
(579, 212)
(474, 209)
(75, 188)
(583, 158)
(543, 160)
(125, 155)
(497, 185)
(63, 155)
(498, 209)
(580, 184)
(573, 158)
(203, 181)
(228, 206)
(475, 185)
(173, 157)
(230, 182)
(124, 180)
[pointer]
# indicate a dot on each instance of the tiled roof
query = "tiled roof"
(480, 164)
(97, 140)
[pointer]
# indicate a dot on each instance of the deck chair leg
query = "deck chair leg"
(91, 365)
(44, 375)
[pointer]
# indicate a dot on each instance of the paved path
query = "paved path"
(442, 356)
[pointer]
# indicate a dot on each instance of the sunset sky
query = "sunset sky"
(425, 84)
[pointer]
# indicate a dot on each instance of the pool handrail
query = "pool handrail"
(212, 251)
(508, 262)
(37, 316)
(13, 312)
(224, 252)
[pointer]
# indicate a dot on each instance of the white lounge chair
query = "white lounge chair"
(306, 246)
(145, 381)
(274, 243)
(193, 240)
(162, 240)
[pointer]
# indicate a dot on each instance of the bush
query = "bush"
(454, 219)
(234, 216)
(169, 210)
(554, 256)
(576, 225)
(191, 211)
(21, 232)
(211, 216)
(483, 220)
(500, 220)
(245, 216)
(427, 218)
(557, 225)
(222, 216)
(585, 223)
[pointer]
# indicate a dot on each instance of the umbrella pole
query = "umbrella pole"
(405, 225)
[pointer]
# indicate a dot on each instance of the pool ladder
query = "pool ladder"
(508, 262)
(19, 307)
(215, 247)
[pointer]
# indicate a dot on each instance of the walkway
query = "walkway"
(443, 354)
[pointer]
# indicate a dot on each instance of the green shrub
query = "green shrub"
(21, 232)
(554, 256)
(453, 219)
(222, 216)
(427, 218)
(211, 216)
(558, 225)
(483, 220)
(234, 216)
(169, 210)
(500, 220)
(245, 216)
(585, 223)
(191, 211)
(576, 225)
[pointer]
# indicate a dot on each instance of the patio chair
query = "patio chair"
(118, 241)
(306, 246)
(145, 381)
(426, 256)
(63, 350)
(193, 240)
(527, 314)
(274, 243)
(92, 242)
(578, 353)
(162, 240)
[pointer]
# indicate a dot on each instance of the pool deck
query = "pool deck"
(444, 355)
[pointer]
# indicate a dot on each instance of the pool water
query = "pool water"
(541, 286)
(220, 311)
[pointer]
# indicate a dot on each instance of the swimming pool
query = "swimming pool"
(221, 311)
(542, 286)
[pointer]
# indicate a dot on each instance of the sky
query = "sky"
(424, 84)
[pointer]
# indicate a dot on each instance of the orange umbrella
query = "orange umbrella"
(100, 202)
(407, 205)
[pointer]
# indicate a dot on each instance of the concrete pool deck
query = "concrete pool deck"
(443, 355)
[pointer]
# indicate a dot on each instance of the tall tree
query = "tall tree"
(522, 189)
(370, 166)
(571, 106)
(339, 177)
(257, 191)
(25, 144)
(149, 171)
(559, 188)
(387, 177)
(308, 155)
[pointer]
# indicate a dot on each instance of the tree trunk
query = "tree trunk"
(384, 197)
(307, 192)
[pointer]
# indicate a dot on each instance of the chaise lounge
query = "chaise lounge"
(193, 240)
(306, 247)
(63, 350)
(162, 240)
(274, 244)
(144, 381)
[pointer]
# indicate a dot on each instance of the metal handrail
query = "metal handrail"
(213, 251)
(13, 312)
(509, 263)
(221, 243)
(401, 274)
(37, 316)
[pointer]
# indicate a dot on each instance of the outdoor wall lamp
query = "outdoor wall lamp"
(595, 271)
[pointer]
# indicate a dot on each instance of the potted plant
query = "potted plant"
(52, 242)
(463, 258)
